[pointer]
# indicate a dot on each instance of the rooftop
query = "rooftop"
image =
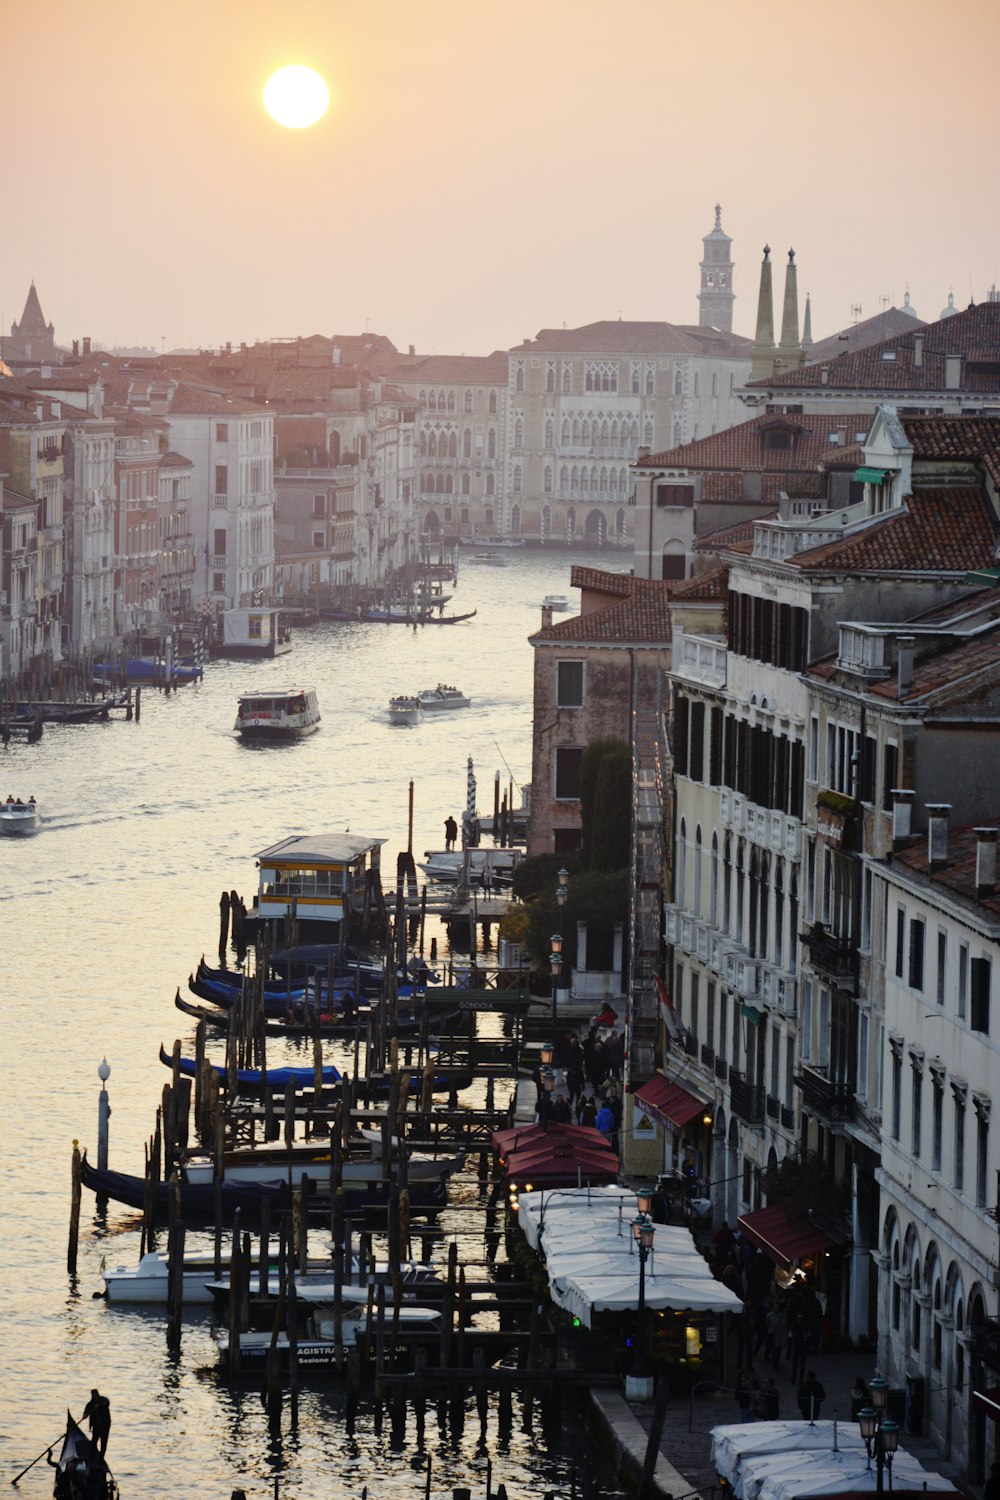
(957, 874)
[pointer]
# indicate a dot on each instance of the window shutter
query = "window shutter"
(916, 975)
(979, 991)
(681, 711)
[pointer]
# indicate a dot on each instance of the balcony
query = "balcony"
(220, 502)
(690, 1044)
(707, 1055)
(699, 659)
(747, 1099)
(219, 560)
(721, 1068)
(773, 1107)
(824, 1097)
(831, 955)
(787, 1117)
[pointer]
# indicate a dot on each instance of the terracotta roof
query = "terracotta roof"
(641, 618)
(738, 538)
(874, 330)
(617, 337)
(958, 873)
(744, 449)
(584, 577)
(974, 334)
(713, 585)
(16, 416)
(189, 400)
(937, 531)
(976, 439)
(172, 460)
(447, 369)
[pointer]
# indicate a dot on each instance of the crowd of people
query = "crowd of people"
(588, 1090)
(775, 1326)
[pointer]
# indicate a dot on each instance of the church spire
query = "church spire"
(716, 298)
(762, 354)
(790, 350)
(807, 328)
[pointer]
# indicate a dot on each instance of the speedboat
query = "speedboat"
(286, 715)
(147, 1282)
(443, 696)
(320, 1348)
(555, 601)
(487, 866)
(20, 817)
(488, 559)
(404, 710)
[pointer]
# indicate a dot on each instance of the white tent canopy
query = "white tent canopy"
(798, 1461)
(585, 1235)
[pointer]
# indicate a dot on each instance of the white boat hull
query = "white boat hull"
(18, 819)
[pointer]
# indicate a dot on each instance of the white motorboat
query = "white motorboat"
(319, 1348)
(488, 559)
(286, 715)
(147, 1281)
(484, 866)
(20, 817)
(555, 602)
(404, 709)
(364, 1169)
(443, 696)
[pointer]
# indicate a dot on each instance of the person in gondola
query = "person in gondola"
(98, 1413)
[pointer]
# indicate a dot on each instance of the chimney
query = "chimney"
(335, 354)
(918, 350)
(904, 663)
(546, 616)
(824, 375)
(952, 372)
(937, 832)
(411, 350)
(86, 346)
(76, 347)
(902, 813)
(644, 453)
(986, 862)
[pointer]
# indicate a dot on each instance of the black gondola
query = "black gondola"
(197, 1199)
(81, 1472)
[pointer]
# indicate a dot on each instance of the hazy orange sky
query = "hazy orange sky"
(487, 170)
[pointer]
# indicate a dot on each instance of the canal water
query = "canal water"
(106, 911)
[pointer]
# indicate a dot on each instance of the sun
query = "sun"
(296, 97)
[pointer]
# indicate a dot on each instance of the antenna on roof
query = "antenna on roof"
(855, 312)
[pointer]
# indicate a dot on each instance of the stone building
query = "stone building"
(31, 340)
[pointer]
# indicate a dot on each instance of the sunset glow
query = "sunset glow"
(296, 97)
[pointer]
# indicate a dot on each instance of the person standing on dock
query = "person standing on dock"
(450, 832)
(98, 1412)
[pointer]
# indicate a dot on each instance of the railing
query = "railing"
(220, 502)
(707, 1055)
(773, 1107)
(699, 659)
(834, 955)
(986, 1342)
(787, 1117)
(690, 1044)
(218, 559)
(721, 1068)
(747, 1099)
(824, 1096)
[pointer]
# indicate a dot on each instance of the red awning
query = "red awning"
(667, 1102)
(989, 1400)
(784, 1238)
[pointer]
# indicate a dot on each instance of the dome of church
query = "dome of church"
(951, 310)
(908, 307)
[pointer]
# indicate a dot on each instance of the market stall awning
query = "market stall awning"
(786, 1238)
(667, 1102)
(553, 1160)
(989, 1401)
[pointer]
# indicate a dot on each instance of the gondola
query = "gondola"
(81, 1472)
(197, 1199)
(323, 1025)
(302, 1007)
(255, 1078)
(448, 619)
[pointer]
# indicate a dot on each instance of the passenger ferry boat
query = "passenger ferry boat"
(404, 710)
(287, 715)
(443, 696)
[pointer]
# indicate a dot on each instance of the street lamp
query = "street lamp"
(555, 959)
(880, 1432)
(548, 1077)
(644, 1201)
(638, 1385)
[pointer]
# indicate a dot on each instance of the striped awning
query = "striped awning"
(870, 476)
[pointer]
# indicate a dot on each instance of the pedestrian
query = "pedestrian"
(559, 1113)
(587, 1111)
(98, 1412)
(767, 1406)
(811, 1397)
(744, 1336)
(605, 1121)
(777, 1330)
(796, 1345)
(744, 1396)
(861, 1397)
(450, 832)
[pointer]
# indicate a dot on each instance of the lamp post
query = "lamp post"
(639, 1385)
(555, 959)
(880, 1432)
(548, 1075)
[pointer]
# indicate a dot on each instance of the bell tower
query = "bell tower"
(716, 297)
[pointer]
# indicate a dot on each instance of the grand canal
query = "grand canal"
(106, 911)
